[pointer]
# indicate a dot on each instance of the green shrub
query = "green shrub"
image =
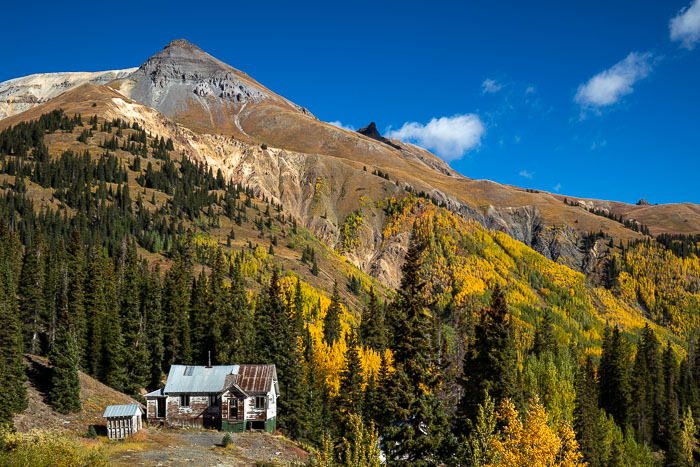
(227, 441)
(47, 449)
(91, 433)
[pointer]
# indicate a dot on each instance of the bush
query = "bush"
(263, 146)
(47, 449)
(91, 433)
(227, 441)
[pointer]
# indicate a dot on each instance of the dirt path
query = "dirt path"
(194, 448)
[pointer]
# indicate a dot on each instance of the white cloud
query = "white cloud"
(530, 90)
(490, 86)
(449, 137)
(685, 26)
(608, 86)
(526, 174)
(339, 124)
(557, 187)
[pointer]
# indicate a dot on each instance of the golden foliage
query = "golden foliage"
(531, 441)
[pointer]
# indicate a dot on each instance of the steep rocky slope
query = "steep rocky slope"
(20, 94)
(323, 174)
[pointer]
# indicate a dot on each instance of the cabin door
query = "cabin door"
(161, 407)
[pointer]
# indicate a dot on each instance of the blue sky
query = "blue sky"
(591, 98)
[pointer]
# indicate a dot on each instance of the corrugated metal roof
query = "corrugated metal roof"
(128, 410)
(200, 379)
(156, 393)
(256, 378)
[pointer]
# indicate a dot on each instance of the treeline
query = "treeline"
(629, 224)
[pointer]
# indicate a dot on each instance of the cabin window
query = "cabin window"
(233, 409)
(184, 400)
(260, 402)
(189, 370)
(213, 400)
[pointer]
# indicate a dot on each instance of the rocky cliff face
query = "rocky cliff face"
(187, 84)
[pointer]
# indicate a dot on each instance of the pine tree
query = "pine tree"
(200, 319)
(331, 322)
(490, 364)
(153, 320)
(545, 340)
(30, 291)
(672, 434)
(176, 303)
(95, 310)
(132, 323)
(350, 394)
(372, 327)
(238, 332)
(647, 388)
(64, 359)
(614, 387)
(113, 371)
(586, 415)
(12, 371)
(76, 292)
(416, 430)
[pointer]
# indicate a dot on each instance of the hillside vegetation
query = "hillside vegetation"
(120, 256)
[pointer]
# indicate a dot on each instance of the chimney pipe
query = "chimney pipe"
(209, 366)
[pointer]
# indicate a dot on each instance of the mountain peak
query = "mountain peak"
(371, 131)
(183, 44)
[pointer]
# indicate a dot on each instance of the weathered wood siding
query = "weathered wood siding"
(197, 414)
(122, 427)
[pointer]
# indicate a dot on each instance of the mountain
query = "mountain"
(214, 100)
(183, 208)
(20, 94)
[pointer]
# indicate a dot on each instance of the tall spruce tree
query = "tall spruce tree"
(350, 394)
(76, 292)
(176, 304)
(614, 388)
(648, 388)
(490, 364)
(31, 295)
(64, 359)
(671, 439)
(132, 322)
(12, 371)
(95, 310)
(331, 322)
(416, 431)
(587, 415)
(153, 319)
(372, 326)
(113, 372)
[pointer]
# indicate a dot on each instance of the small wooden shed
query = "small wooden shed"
(123, 420)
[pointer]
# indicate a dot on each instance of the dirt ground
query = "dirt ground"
(193, 448)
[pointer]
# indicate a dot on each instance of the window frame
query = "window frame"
(184, 400)
(264, 402)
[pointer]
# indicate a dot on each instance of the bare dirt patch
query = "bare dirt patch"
(165, 447)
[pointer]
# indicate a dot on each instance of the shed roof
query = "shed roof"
(127, 410)
(257, 378)
(198, 379)
(157, 393)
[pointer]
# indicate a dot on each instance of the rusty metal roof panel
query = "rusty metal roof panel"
(256, 379)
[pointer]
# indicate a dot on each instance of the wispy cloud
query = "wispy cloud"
(609, 86)
(526, 174)
(449, 137)
(557, 187)
(340, 124)
(685, 26)
(490, 86)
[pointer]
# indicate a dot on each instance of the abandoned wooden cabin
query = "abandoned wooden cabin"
(123, 420)
(225, 397)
